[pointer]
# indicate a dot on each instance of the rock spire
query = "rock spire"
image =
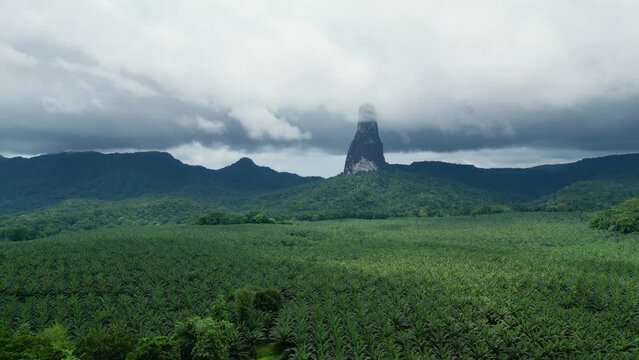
(366, 152)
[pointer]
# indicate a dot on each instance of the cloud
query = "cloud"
(255, 77)
(260, 123)
(10, 57)
(203, 124)
(600, 125)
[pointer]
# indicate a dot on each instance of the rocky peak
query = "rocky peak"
(244, 162)
(366, 152)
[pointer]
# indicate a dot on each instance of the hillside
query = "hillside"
(422, 188)
(86, 214)
(48, 179)
(338, 197)
(532, 183)
(437, 188)
(385, 192)
(590, 195)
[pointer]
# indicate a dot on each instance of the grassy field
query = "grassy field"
(495, 286)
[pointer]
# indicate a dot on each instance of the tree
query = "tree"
(622, 218)
(243, 304)
(111, 344)
(268, 300)
(18, 233)
(212, 218)
(220, 310)
(155, 348)
(50, 344)
(260, 218)
(205, 339)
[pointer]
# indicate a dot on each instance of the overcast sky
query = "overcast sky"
(492, 83)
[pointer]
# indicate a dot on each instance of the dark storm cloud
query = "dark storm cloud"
(155, 122)
(444, 76)
(149, 123)
(601, 125)
(73, 106)
(162, 123)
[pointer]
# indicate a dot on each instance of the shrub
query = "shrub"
(19, 233)
(205, 339)
(268, 300)
(155, 348)
(50, 344)
(220, 310)
(219, 218)
(99, 344)
(333, 215)
(56, 336)
(622, 218)
(490, 209)
(260, 218)
(185, 335)
(243, 304)
(212, 218)
(215, 340)
(555, 206)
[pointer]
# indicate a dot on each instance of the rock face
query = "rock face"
(367, 151)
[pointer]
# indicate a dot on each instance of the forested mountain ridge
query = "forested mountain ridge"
(434, 188)
(388, 192)
(530, 183)
(27, 183)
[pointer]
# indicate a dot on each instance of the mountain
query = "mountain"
(590, 195)
(422, 189)
(366, 152)
(430, 187)
(530, 183)
(246, 176)
(451, 189)
(48, 179)
(388, 192)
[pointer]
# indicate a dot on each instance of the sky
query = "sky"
(509, 83)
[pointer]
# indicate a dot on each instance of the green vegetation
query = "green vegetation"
(155, 348)
(589, 195)
(231, 330)
(107, 182)
(511, 285)
(490, 209)
(335, 198)
(113, 341)
(207, 338)
(379, 194)
(27, 184)
(623, 218)
(267, 352)
(537, 182)
(52, 343)
(49, 194)
(92, 214)
(220, 218)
